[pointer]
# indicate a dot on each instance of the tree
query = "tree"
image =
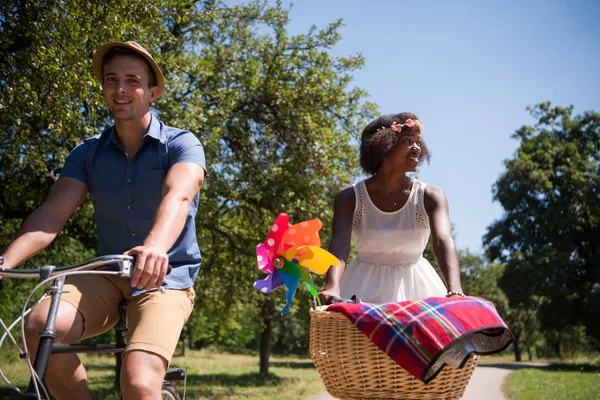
(50, 101)
(480, 278)
(280, 124)
(276, 114)
(549, 236)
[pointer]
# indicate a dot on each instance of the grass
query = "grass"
(228, 376)
(210, 376)
(559, 381)
(553, 379)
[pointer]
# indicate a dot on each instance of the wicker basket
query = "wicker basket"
(353, 368)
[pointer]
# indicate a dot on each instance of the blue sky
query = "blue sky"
(468, 69)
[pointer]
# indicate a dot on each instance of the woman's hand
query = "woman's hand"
(327, 293)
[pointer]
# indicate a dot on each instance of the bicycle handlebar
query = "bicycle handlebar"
(124, 262)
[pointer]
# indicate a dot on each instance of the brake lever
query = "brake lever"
(1, 280)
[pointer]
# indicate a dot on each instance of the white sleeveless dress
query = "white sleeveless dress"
(389, 266)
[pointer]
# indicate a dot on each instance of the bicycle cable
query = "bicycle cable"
(14, 341)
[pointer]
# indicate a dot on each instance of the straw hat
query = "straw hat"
(98, 61)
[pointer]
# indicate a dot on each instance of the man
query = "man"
(143, 179)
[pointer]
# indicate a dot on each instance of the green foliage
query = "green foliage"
(278, 121)
(549, 236)
(276, 114)
(566, 343)
(480, 278)
(49, 101)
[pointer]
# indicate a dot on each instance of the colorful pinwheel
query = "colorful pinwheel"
(289, 254)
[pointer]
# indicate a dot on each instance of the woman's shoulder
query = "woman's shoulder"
(433, 195)
(345, 194)
(345, 199)
(427, 187)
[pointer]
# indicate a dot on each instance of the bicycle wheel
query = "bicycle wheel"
(168, 392)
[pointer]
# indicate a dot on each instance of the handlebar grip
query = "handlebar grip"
(1, 260)
(351, 300)
(169, 267)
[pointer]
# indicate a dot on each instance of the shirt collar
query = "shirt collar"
(154, 131)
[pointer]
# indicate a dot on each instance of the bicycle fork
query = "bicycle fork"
(46, 341)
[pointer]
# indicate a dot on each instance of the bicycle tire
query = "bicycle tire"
(168, 392)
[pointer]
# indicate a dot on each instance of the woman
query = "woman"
(390, 216)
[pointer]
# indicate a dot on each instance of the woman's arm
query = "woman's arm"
(343, 212)
(436, 206)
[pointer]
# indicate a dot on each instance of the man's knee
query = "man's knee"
(35, 323)
(142, 374)
(68, 326)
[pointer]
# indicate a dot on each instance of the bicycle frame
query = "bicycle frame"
(47, 347)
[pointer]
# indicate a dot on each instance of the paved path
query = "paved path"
(486, 382)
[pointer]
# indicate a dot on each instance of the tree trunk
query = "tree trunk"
(529, 353)
(557, 349)
(265, 337)
(517, 349)
(185, 348)
(117, 383)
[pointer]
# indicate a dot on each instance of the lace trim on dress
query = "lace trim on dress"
(360, 212)
(419, 213)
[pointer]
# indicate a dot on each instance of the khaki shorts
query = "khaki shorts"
(154, 319)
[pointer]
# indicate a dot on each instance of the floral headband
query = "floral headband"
(396, 127)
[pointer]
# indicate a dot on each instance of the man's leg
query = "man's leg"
(155, 321)
(65, 374)
(142, 374)
(88, 307)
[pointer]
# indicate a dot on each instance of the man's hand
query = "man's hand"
(150, 267)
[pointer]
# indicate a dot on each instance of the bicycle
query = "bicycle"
(37, 388)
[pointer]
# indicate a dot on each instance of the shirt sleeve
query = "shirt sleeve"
(75, 164)
(185, 147)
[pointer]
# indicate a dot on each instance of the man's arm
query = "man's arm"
(179, 188)
(42, 226)
(436, 206)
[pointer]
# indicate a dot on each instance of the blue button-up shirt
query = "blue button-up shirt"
(126, 192)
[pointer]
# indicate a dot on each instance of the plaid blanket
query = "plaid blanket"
(424, 335)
